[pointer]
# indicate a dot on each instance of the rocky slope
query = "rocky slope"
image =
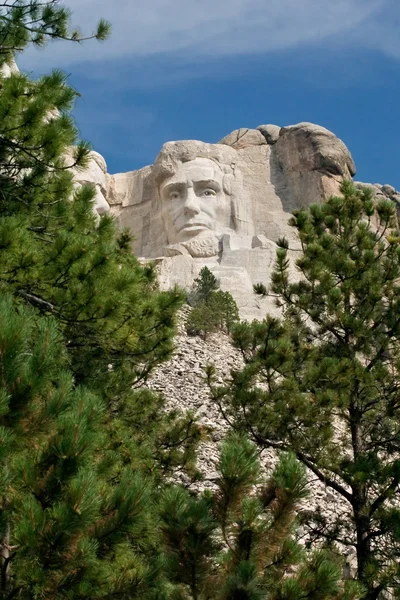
(182, 382)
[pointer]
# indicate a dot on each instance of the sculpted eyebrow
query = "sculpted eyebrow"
(208, 183)
(176, 185)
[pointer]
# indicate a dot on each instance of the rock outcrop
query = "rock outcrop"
(226, 205)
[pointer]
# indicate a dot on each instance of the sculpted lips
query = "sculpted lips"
(196, 225)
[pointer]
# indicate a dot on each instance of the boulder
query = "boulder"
(307, 147)
(241, 138)
(311, 163)
(270, 132)
(389, 190)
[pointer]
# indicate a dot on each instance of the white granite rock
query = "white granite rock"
(270, 132)
(241, 138)
(389, 190)
(226, 205)
(311, 162)
(9, 68)
(95, 174)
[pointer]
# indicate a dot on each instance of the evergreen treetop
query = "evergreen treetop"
(203, 287)
(238, 542)
(213, 309)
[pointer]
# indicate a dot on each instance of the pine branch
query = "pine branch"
(36, 300)
(389, 491)
(324, 478)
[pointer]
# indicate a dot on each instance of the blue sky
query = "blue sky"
(198, 69)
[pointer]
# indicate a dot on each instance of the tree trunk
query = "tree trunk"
(363, 543)
(362, 520)
(5, 555)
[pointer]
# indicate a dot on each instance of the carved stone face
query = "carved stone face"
(95, 174)
(101, 205)
(194, 202)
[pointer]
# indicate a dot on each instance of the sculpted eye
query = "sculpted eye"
(209, 192)
(174, 195)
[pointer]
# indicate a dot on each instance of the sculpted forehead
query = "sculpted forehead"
(199, 169)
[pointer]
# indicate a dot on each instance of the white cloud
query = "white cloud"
(195, 29)
(382, 32)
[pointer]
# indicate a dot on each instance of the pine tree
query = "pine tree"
(203, 287)
(85, 451)
(54, 257)
(323, 381)
(213, 309)
(238, 541)
(75, 522)
(227, 309)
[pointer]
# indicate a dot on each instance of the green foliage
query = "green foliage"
(148, 438)
(73, 523)
(260, 289)
(24, 22)
(323, 381)
(203, 287)
(87, 454)
(237, 542)
(213, 309)
(79, 475)
(53, 254)
(84, 449)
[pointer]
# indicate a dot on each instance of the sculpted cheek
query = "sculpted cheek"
(209, 207)
(223, 210)
(176, 211)
(176, 215)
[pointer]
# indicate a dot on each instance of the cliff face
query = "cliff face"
(226, 205)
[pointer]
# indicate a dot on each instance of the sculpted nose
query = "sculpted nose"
(191, 206)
